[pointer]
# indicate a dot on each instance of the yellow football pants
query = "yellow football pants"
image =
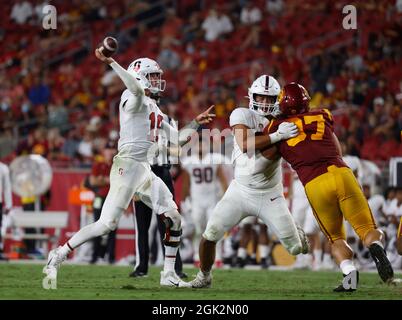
(336, 195)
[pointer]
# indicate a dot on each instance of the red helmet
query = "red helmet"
(293, 99)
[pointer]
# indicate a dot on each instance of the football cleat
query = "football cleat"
(240, 262)
(341, 288)
(54, 261)
(382, 263)
(182, 275)
(264, 263)
(138, 274)
(201, 281)
(171, 279)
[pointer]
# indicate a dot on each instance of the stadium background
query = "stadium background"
(57, 100)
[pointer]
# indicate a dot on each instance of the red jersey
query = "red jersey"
(101, 169)
(314, 149)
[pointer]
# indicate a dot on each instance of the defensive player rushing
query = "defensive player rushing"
(140, 120)
(203, 176)
(331, 187)
(257, 188)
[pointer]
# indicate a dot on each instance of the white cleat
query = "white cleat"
(171, 279)
(304, 240)
(54, 261)
(201, 281)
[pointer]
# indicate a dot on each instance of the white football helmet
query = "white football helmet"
(142, 68)
(268, 86)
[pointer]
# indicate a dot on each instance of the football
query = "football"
(109, 46)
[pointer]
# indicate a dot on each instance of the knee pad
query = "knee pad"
(172, 220)
(101, 229)
(214, 231)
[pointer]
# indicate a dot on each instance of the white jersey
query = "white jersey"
(138, 126)
(253, 170)
(204, 182)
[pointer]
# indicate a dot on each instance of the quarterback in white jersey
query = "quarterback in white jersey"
(131, 175)
(257, 188)
(203, 178)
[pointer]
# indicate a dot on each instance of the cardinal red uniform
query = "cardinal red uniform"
(330, 185)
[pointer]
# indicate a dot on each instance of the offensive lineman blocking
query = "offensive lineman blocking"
(257, 188)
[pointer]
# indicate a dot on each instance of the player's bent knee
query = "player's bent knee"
(102, 229)
(110, 217)
(214, 232)
(172, 219)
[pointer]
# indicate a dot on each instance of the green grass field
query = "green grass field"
(24, 281)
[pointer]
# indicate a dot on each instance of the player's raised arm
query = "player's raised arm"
(181, 137)
(128, 79)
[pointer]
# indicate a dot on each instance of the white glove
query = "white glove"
(285, 131)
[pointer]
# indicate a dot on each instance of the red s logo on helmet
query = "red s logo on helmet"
(137, 66)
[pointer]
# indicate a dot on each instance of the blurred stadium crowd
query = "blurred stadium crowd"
(58, 101)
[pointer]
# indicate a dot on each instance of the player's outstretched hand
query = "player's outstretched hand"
(287, 130)
(102, 57)
(205, 117)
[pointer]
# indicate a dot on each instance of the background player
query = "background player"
(331, 187)
(203, 175)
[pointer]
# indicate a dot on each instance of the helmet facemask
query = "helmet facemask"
(264, 108)
(155, 83)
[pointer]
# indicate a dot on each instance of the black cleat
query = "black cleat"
(138, 274)
(240, 262)
(382, 263)
(264, 263)
(252, 261)
(341, 288)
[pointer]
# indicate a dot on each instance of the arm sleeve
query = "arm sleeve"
(7, 189)
(128, 79)
(179, 137)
